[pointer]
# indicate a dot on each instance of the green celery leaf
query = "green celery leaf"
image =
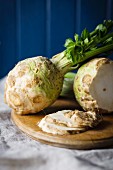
(76, 36)
(68, 42)
(85, 34)
(108, 24)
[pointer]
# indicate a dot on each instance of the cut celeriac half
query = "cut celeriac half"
(69, 122)
(93, 85)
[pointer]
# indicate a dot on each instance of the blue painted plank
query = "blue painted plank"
(92, 13)
(109, 9)
(111, 4)
(62, 24)
(7, 36)
(48, 27)
(33, 28)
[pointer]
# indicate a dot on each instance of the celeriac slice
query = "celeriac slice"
(69, 122)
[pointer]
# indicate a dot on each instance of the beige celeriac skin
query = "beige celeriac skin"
(69, 122)
(93, 85)
(32, 85)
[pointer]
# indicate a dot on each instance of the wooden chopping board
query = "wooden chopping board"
(99, 137)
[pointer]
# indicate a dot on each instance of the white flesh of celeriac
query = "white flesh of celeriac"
(93, 85)
(101, 88)
(69, 122)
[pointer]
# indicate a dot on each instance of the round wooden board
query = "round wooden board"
(99, 137)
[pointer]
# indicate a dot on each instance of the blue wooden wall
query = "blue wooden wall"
(40, 27)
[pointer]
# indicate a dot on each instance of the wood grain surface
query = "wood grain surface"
(99, 137)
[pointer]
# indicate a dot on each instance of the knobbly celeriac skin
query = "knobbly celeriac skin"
(82, 83)
(32, 85)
